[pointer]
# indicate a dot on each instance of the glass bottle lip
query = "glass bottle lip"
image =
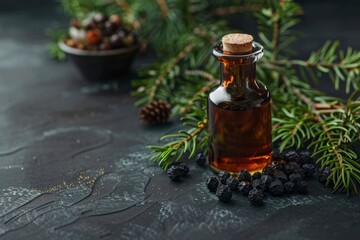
(257, 53)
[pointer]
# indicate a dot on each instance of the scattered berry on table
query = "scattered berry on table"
(295, 178)
(185, 169)
(223, 176)
(324, 174)
(289, 187)
(266, 180)
(224, 193)
(256, 196)
(301, 172)
(212, 184)
(302, 187)
(277, 156)
(244, 175)
(232, 183)
(175, 173)
(279, 165)
(305, 156)
(291, 156)
(258, 184)
(309, 170)
(291, 167)
(200, 159)
(244, 187)
(285, 174)
(268, 170)
(256, 175)
(280, 175)
(276, 188)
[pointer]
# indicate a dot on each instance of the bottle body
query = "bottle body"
(239, 116)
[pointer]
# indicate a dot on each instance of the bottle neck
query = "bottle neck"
(238, 72)
(237, 75)
(237, 78)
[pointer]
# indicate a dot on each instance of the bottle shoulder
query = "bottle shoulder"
(248, 98)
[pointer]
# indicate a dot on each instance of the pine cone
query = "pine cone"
(155, 112)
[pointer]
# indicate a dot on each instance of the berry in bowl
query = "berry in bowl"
(101, 46)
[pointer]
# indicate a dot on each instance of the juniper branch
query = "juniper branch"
(302, 63)
(202, 90)
(188, 141)
(162, 76)
(192, 135)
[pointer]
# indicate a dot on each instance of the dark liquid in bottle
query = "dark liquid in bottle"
(240, 135)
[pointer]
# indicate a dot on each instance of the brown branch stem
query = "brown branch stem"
(275, 39)
(308, 64)
(202, 127)
(203, 33)
(326, 106)
(205, 88)
(164, 8)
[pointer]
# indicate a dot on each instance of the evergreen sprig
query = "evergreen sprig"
(56, 34)
(190, 140)
(339, 65)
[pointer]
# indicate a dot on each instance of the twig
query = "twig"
(275, 39)
(202, 74)
(205, 88)
(298, 125)
(325, 111)
(326, 106)
(298, 93)
(203, 33)
(310, 64)
(202, 127)
(276, 31)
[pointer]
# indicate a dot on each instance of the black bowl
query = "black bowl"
(104, 65)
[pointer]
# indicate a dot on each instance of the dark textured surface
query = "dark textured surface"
(73, 163)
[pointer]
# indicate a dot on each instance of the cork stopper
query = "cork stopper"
(237, 43)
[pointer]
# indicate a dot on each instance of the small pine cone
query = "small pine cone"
(155, 112)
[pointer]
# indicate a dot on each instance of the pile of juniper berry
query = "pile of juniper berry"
(287, 174)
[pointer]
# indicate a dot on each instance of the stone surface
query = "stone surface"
(73, 163)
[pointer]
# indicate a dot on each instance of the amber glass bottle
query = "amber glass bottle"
(239, 112)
